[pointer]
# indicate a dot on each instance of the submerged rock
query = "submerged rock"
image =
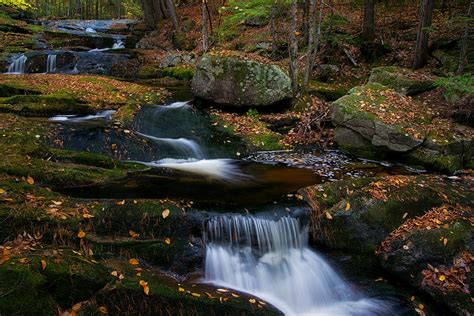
(402, 80)
(240, 83)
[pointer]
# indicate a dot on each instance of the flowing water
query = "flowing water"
(51, 63)
(18, 66)
(271, 259)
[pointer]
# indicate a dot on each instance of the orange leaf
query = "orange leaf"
(133, 261)
(133, 234)
(103, 310)
(348, 206)
(43, 264)
(143, 283)
(30, 180)
(146, 290)
(167, 241)
(87, 215)
(165, 213)
(81, 234)
(120, 202)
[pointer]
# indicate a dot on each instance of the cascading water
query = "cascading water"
(181, 145)
(18, 66)
(118, 44)
(271, 260)
(51, 63)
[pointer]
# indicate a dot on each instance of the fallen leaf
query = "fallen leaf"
(120, 202)
(133, 261)
(57, 203)
(146, 290)
(81, 234)
(328, 215)
(196, 294)
(2, 191)
(30, 180)
(76, 307)
(143, 283)
(181, 289)
(442, 278)
(252, 300)
(165, 213)
(43, 265)
(87, 215)
(222, 290)
(167, 241)
(114, 273)
(348, 206)
(103, 310)
(445, 241)
(133, 234)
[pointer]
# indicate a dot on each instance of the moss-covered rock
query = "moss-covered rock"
(402, 80)
(357, 215)
(375, 122)
(237, 83)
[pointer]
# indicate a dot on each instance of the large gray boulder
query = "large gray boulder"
(402, 80)
(240, 83)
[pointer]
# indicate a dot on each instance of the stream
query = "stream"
(264, 254)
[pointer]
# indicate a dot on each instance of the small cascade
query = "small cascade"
(118, 44)
(90, 30)
(102, 116)
(18, 66)
(271, 260)
(181, 145)
(51, 63)
(224, 170)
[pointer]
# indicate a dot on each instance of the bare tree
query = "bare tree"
(172, 13)
(421, 46)
(205, 34)
(465, 40)
(368, 24)
(314, 38)
(293, 47)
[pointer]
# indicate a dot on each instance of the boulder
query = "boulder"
(238, 83)
(402, 80)
(257, 21)
(173, 60)
(376, 122)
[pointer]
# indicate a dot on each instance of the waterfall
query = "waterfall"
(181, 145)
(118, 43)
(90, 30)
(102, 116)
(51, 63)
(271, 260)
(18, 66)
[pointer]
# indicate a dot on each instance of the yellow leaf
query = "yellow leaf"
(133, 261)
(143, 283)
(43, 264)
(196, 294)
(165, 213)
(252, 300)
(57, 203)
(167, 241)
(81, 234)
(87, 215)
(328, 215)
(421, 306)
(30, 180)
(445, 241)
(146, 290)
(133, 234)
(23, 260)
(348, 206)
(114, 273)
(103, 310)
(181, 289)
(2, 191)
(442, 278)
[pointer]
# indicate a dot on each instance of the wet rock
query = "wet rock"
(238, 83)
(402, 80)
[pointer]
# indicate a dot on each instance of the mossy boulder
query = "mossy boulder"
(402, 80)
(376, 122)
(235, 82)
(357, 215)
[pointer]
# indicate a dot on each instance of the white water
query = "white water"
(100, 116)
(225, 170)
(119, 44)
(182, 145)
(271, 260)
(18, 66)
(51, 64)
(90, 30)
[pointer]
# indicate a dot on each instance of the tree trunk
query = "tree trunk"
(421, 46)
(273, 28)
(293, 47)
(311, 40)
(205, 34)
(368, 25)
(172, 12)
(465, 39)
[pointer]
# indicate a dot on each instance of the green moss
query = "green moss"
(179, 72)
(43, 105)
(149, 72)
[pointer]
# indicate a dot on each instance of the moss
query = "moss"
(401, 80)
(434, 160)
(327, 91)
(179, 72)
(11, 89)
(149, 72)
